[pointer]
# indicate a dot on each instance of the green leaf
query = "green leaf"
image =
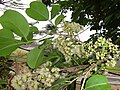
(55, 10)
(115, 69)
(52, 56)
(59, 19)
(35, 57)
(59, 84)
(38, 11)
(8, 45)
(3, 82)
(34, 29)
(108, 18)
(6, 33)
(14, 21)
(97, 82)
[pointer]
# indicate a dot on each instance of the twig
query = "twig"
(74, 73)
(13, 7)
(88, 73)
(33, 23)
(84, 30)
(71, 68)
(9, 83)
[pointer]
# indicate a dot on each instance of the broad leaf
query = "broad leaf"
(97, 82)
(55, 10)
(14, 21)
(6, 33)
(8, 45)
(34, 29)
(35, 57)
(38, 11)
(59, 19)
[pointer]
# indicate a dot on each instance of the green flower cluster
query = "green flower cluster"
(39, 79)
(66, 42)
(65, 46)
(102, 50)
(71, 28)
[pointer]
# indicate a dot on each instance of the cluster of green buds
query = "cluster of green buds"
(71, 28)
(65, 47)
(102, 50)
(39, 79)
(105, 50)
(47, 74)
(66, 41)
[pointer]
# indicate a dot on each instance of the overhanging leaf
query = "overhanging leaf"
(55, 10)
(6, 33)
(15, 22)
(97, 82)
(8, 45)
(38, 11)
(59, 19)
(35, 57)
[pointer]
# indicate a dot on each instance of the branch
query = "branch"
(18, 5)
(84, 30)
(75, 67)
(88, 73)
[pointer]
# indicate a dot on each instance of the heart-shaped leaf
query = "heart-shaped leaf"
(55, 10)
(38, 11)
(97, 82)
(8, 45)
(14, 21)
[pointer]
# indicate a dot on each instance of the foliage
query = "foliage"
(12, 22)
(57, 61)
(102, 16)
(97, 82)
(38, 11)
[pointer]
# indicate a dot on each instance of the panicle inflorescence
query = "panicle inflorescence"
(101, 50)
(39, 79)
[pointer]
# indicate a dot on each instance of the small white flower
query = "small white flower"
(54, 69)
(33, 85)
(12, 73)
